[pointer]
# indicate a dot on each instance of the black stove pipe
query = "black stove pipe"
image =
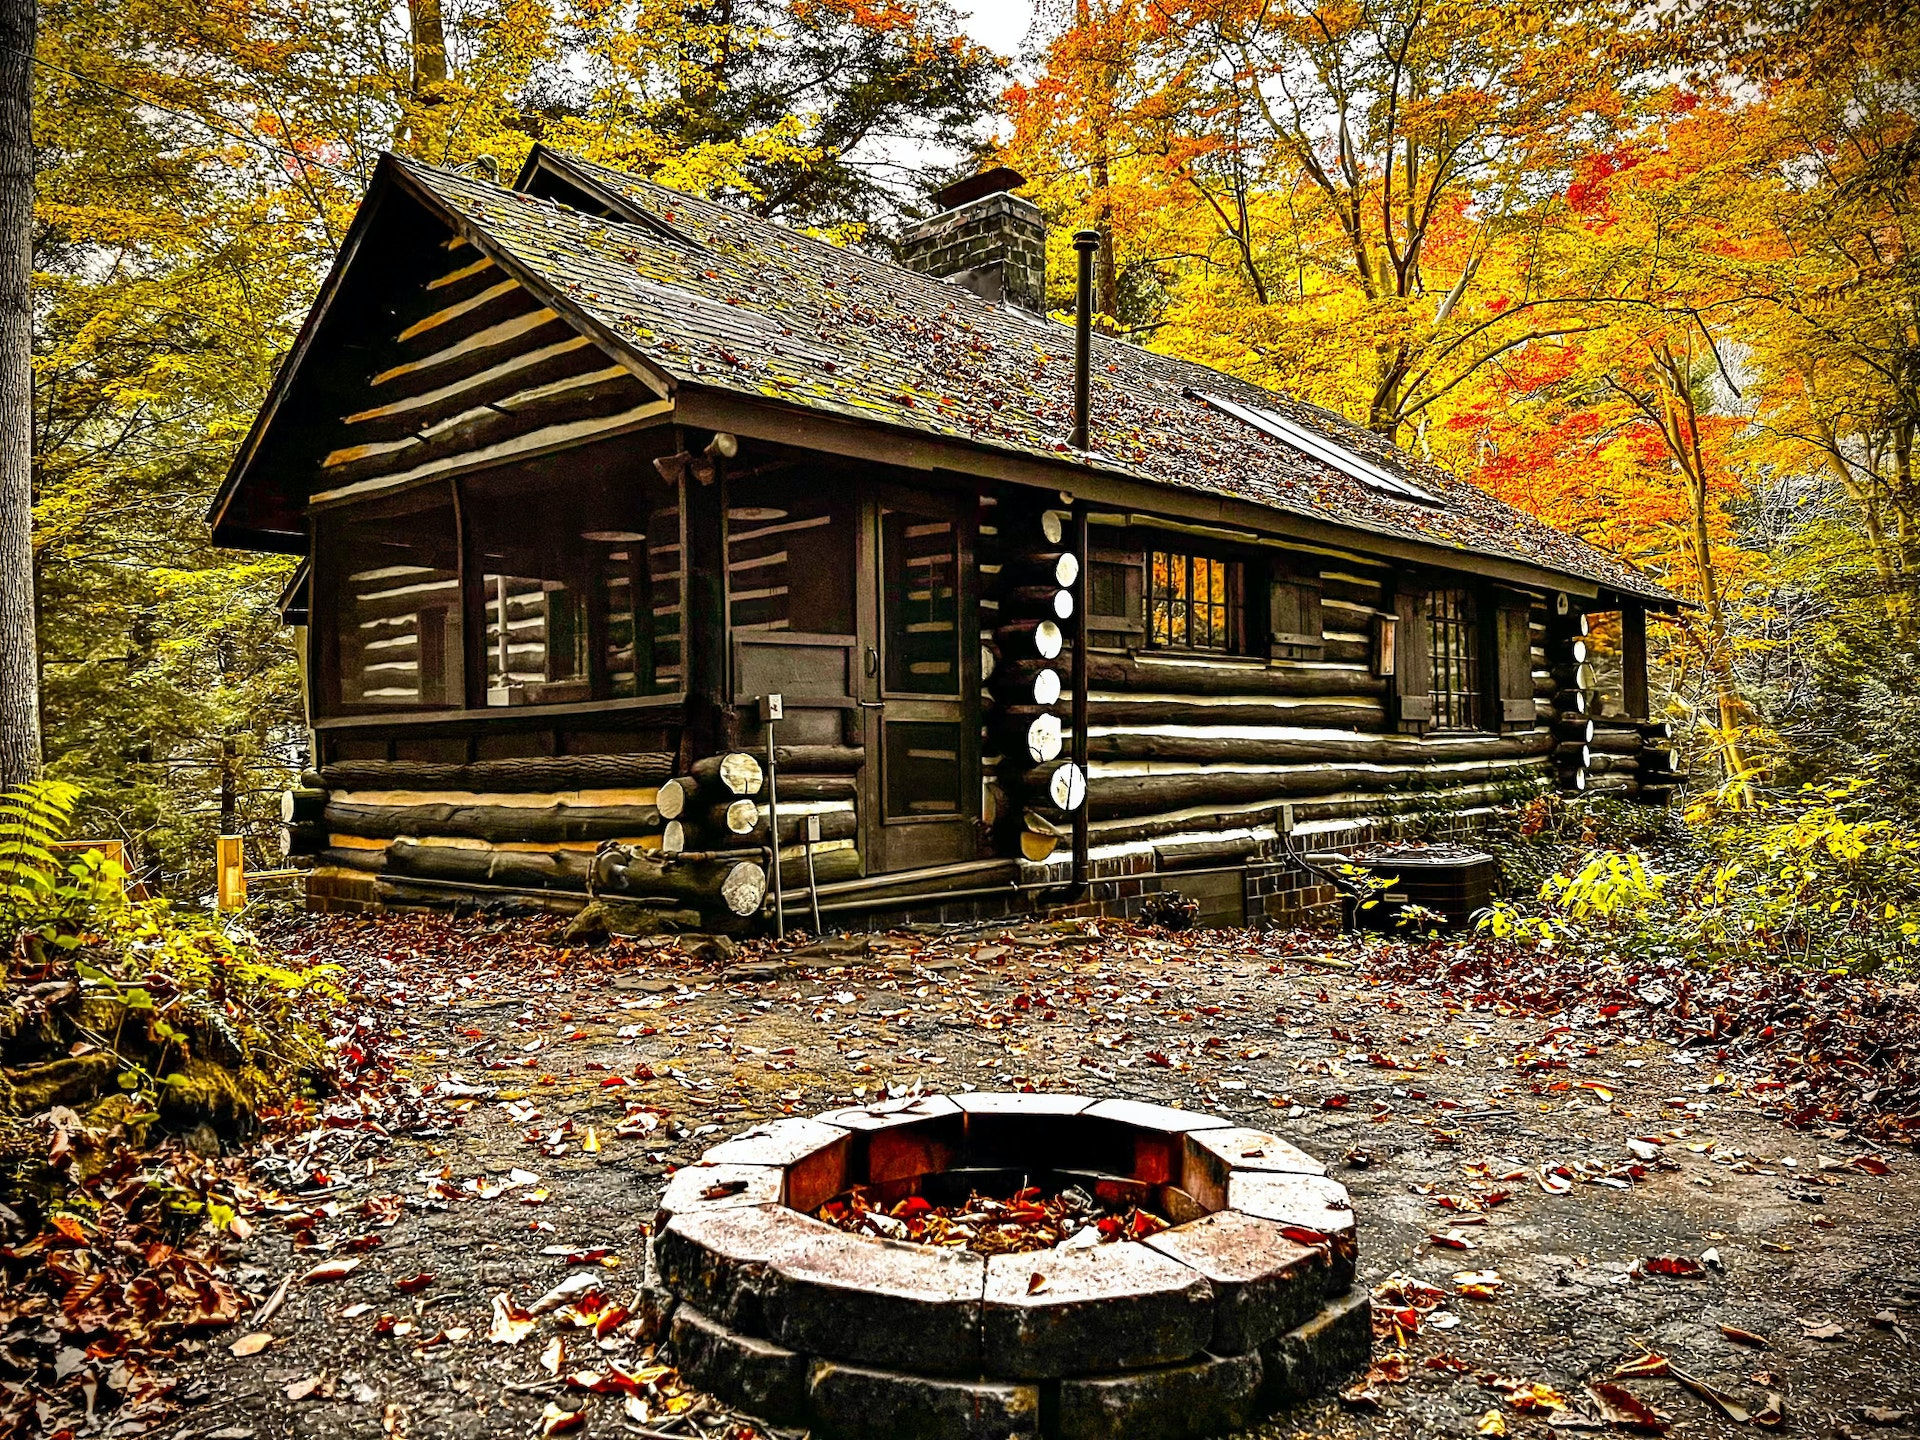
(1086, 242)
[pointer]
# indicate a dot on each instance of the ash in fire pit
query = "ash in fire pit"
(1125, 1270)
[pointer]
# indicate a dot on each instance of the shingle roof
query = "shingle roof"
(755, 309)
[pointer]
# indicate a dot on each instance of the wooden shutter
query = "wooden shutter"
(1513, 662)
(1294, 606)
(1413, 678)
(1114, 598)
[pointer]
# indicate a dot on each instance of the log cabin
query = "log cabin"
(584, 471)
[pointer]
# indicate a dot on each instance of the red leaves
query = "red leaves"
(414, 1283)
(1679, 1267)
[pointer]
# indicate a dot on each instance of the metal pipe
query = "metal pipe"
(1085, 242)
(1081, 545)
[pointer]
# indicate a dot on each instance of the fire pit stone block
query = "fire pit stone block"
(1212, 1157)
(765, 1378)
(1263, 1283)
(853, 1403)
(878, 1302)
(716, 1260)
(1150, 1135)
(1303, 1202)
(1172, 1402)
(1103, 1309)
(702, 1186)
(1331, 1347)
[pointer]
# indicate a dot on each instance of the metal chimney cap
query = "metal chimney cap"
(1086, 239)
(987, 182)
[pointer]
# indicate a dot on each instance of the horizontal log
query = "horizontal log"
(1259, 821)
(298, 841)
(481, 864)
(674, 796)
(1037, 602)
(736, 886)
(1357, 713)
(1572, 753)
(1055, 570)
(1574, 677)
(1227, 678)
(1606, 764)
(1574, 727)
(1613, 741)
(1612, 785)
(1021, 639)
(526, 775)
(830, 867)
(302, 806)
(1062, 786)
(498, 824)
(1115, 789)
(1658, 793)
(1278, 744)
(840, 823)
(735, 773)
(1575, 701)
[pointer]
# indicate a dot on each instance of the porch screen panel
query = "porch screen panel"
(790, 558)
(392, 621)
(921, 610)
(640, 585)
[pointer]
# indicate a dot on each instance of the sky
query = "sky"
(1000, 25)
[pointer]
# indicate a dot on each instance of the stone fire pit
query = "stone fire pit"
(1243, 1304)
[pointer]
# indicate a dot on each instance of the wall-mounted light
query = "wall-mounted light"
(724, 445)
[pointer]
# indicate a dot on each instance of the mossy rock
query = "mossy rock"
(76, 1080)
(202, 1092)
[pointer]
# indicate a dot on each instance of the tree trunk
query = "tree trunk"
(19, 650)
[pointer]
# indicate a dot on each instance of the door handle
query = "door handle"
(871, 704)
(873, 662)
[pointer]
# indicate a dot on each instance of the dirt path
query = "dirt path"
(652, 1055)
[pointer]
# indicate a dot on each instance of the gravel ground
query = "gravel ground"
(567, 1083)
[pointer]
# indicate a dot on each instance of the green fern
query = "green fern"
(41, 888)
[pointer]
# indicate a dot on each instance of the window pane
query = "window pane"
(923, 768)
(395, 609)
(1453, 651)
(920, 604)
(789, 559)
(1190, 601)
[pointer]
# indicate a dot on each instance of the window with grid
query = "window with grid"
(1190, 602)
(1453, 642)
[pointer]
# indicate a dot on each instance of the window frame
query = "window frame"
(1233, 607)
(1456, 612)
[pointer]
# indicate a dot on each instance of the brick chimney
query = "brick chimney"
(985, 238)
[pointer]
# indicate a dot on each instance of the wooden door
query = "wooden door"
(920, 682)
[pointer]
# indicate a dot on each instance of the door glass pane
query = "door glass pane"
(923, 768)
(920, 603)
(395, 609)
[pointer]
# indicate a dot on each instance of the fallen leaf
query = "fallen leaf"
(1746, 1337)
(1036, 1282)
(1620, 1406)
(414, 1283)
(1647, 1367)
(1720, 1400)
(301, 1389)
(556, 1421)
(563, 1292)
(1681, 1267)
(330, 1270)
(510, 1326)
(250, 1344)
(1773, 1414)
(1822, 1329)
(1881, 1415)
(1492, 1423)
